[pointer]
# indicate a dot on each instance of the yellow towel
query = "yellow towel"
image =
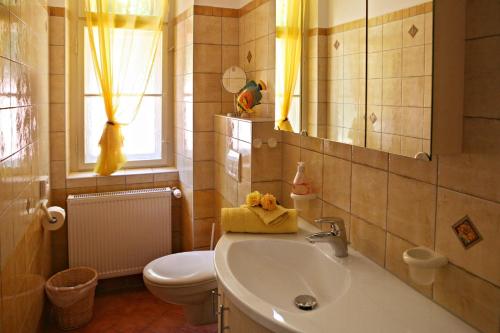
(244, 220)
(270, 217)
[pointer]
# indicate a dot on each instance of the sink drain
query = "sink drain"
(305, 302)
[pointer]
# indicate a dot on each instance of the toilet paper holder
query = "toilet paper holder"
(43, 207)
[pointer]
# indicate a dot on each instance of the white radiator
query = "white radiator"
(118, 233)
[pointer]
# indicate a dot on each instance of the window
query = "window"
(145, 128)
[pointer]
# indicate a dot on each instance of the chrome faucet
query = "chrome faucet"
(336, 236)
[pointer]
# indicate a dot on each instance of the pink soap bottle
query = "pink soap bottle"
(301, 185)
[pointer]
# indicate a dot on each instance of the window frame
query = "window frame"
(77, 99)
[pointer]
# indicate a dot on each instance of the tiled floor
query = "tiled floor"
(136, 310)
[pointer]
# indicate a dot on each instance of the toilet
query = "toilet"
(187, 279)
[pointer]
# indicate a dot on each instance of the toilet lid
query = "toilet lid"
(182, 268)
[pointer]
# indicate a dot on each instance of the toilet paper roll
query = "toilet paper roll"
(58, 216)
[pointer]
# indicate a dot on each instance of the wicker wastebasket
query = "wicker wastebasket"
(72, 293)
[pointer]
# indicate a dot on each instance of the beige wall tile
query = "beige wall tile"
(412, 121)
(56, 59)
(203, 175)
(369, 194)
(230, 31)
(56, 88)
(413, 61)
(374, 92)
(57, 118)
(394, 263)
(206, 58)
(56, 30)
(392, 63)
(375, 39)
(368, 239)
(311, 143)
(203, 204)
(413, 91)
(262, 19)
(57, 146)
(314, 169)
(290, 158)
(230, 56)
(480, 258)
(337, 182)
(202, 231)
(338, 149)
(472, 174)
(204, 88)
(375, 65)
(392, 120)
(203, 146)
(392, 35)
(470, 298)
(207, 29)
(419, 22)
(411, 210)
(266, 164)
(370, 157)
(203, 116)
(391, 92)
(425, 171)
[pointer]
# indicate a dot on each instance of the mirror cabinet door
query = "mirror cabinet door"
(399, 76)
(366, 73)
(334, 75)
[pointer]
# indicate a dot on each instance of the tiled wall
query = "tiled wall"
(257, 35)
(391, 203)
(208, 41)
(260, 167)
(63, 181)
(346, 47)
(24, 160)
(400, 81)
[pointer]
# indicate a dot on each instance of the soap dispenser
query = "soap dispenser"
(301, 189)
(301, 185)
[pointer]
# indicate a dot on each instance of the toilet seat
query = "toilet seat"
(182, 269)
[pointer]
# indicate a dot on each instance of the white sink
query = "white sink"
(262, 275)
(292, 268)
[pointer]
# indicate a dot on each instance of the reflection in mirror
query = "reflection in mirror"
(345, 54)
(399, 76)
(332, 82)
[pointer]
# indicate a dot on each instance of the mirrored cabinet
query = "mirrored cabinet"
(381, 74)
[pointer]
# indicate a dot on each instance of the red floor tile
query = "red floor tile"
(136, 310)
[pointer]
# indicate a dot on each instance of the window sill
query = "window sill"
(128, 178)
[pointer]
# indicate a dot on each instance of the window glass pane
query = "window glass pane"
(142, 136)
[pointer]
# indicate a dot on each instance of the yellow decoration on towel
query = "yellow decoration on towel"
(271, 217)
(253, 199)
(242, 219)
(268, 202)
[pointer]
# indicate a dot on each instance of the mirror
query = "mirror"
(366, 73)
(399, 89)
(233, 79)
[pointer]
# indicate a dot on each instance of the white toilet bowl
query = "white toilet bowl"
(187, 279)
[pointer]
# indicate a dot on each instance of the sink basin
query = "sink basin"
(262, 275)
(293, 269)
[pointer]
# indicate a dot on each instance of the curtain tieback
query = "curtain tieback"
(112, 123)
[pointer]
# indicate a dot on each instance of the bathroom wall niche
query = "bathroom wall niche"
(374, 73)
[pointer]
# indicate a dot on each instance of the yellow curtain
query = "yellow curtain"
(291, 34)
(113, 28)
